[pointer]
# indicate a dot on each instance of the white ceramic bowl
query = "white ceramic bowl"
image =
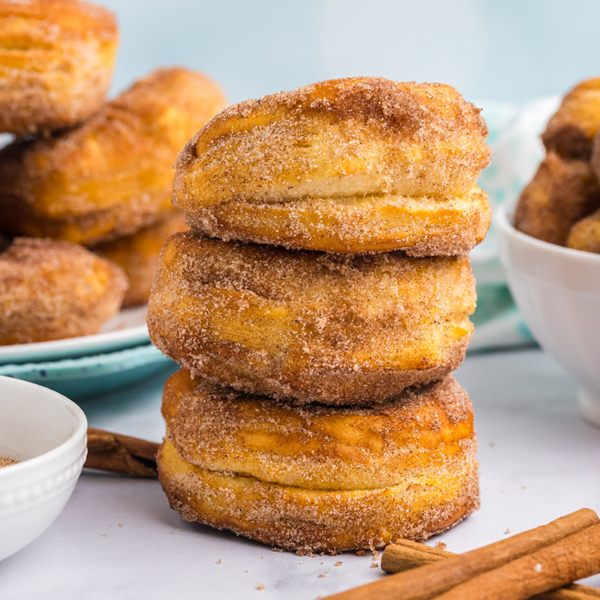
(46, 433)
(558, 293)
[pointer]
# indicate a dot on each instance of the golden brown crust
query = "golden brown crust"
(585, 234)
(561, 193)
(52, 290)
(113, 174)
(137, 254)
(299, 164)
(310, 326)
(56, 63)
(317, 478)
(571, 130)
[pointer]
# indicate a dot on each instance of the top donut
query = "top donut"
(56, 63)
(348, 166)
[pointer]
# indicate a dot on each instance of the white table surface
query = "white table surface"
(118, 539)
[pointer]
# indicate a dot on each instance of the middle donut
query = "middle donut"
(308, 326)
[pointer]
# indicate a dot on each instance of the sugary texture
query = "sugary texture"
(112, 175)
(137, 254)
(56, 63)
(347, 166)
(561, 193)
(314, 446)
(52, 290)
(585, 234)
(595, 160)
(310, 326)
(571, 130)
(316, 479)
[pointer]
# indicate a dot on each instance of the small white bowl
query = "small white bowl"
(558, 293)
(46, 434)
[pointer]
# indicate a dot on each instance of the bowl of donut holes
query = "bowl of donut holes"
(550, 243)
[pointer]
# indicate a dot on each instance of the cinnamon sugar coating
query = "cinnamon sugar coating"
(572, 128)
(112, 175)
(314, 478)
(585, 234)
(56, 63)
(52, 290)
(561, 193)
(137, 254)
(347, 166)
(308, 326)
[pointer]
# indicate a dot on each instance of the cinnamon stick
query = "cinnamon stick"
(433, 579)
(406, 554)
(563, 562)
(120, 454)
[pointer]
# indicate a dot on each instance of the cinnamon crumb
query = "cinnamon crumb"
(360, 553)
(507, 531)
(441, 545)
(338, 563)
(374, 565)
(104, 535)
(375, 555)
(321, 575)
(219, 562)
(260, 586)
(120, 525)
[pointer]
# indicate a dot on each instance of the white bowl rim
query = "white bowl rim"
(503, 218)
(79, 431)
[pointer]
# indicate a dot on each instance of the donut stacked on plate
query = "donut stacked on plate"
(318, 306)
(80, 169)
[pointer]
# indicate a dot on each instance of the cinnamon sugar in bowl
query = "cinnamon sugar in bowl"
(44, 433)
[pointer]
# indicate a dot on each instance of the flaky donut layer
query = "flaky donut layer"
(320, 479)
(137, 254)
(113, 174)
(561, 193)
(572, 128)
(310, 326)
(52, 290)
(56, 62)
(348, 165)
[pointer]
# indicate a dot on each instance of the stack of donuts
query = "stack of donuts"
(318, 306)
(84, 171)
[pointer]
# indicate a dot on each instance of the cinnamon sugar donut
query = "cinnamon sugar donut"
(52, 290)
(113, 174)
(585, 234)
(347, 166)
(316, 478)
(56, 62)
(561, 193)
(137, 254)
(571, 130)
(309, 326)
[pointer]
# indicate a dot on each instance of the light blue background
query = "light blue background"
(510, 50)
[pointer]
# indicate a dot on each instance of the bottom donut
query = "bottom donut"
(319, 479)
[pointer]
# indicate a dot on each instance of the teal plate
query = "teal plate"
(92, 375)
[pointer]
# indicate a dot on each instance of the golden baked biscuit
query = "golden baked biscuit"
(561, 193)
(137, 254)
(571, 130)
(52, 290)
(56, 63)
(113, 174)
(309, 326)
(585, 234)
(316, 478)
(347, 166)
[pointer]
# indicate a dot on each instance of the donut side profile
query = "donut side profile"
(316, 478)
(56, 63)
(585, 234)
(307, 326)
(52, 290)
(561, 193)
(137, 254)
(113, 174)
(348, 166)
(571, 130)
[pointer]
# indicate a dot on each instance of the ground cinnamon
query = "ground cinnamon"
(434, 579)
(406, 555)
(121, 454)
